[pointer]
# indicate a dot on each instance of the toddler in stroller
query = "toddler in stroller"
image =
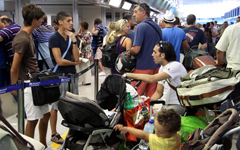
(167, 123)
(89, 126)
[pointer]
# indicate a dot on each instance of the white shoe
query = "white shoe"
(102, 73)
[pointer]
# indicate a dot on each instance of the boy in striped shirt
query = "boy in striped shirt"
(167, 123)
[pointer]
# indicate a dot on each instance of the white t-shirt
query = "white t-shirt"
(229, 42)
(175, 70)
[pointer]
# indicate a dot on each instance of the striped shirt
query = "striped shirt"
(8, 33)
(99, 38)
(159, 143)
(42, 34)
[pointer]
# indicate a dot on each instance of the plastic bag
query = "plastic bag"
(135, 118)
(189, 124)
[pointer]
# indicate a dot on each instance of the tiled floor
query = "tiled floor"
(86, 91)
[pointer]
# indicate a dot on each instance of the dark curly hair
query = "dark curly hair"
(169, 119)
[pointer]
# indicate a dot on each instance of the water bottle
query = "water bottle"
(145, 112)
(149, 128)
(128, 103)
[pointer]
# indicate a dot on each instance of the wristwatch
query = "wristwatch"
(74, 42)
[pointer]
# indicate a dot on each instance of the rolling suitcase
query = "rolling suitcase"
(203, 61)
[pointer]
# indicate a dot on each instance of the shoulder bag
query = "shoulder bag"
(48, 93)
(10, 139)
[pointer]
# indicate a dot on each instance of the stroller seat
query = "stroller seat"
(87, 122)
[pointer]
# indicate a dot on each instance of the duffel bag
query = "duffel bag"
(207, 85)
(45, 94)
(190, 55)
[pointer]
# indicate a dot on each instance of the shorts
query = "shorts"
(33, 112)
(63, 88)
(98, 54)
(55, 105)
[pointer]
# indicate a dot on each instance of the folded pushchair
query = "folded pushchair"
(89, 125)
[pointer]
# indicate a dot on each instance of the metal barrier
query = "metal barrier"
(21, 85)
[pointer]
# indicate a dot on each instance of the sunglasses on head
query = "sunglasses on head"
(160, 43)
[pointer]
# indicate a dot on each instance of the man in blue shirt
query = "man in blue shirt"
(174, 35)
(58, 45)
(144, 41)
(129, 18)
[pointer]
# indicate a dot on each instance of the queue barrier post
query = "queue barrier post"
(96, 78)
(71, 89)
(21, 112)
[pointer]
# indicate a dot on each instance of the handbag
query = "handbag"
(10, 139)
(45, 94)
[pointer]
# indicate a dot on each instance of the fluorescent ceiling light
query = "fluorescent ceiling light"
(126, 5)
(115, 3)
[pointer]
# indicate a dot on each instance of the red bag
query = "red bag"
(130, 117)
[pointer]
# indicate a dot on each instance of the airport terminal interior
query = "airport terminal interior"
(108, 11)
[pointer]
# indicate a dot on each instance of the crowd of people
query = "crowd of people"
(156, 48)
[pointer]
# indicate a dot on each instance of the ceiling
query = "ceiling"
(207, 8)
(201, 8)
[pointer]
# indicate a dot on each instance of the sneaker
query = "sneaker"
(102, 73)
(57, 138)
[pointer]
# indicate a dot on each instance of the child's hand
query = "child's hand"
(121, 128)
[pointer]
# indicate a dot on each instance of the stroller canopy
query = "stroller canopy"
(112, 92)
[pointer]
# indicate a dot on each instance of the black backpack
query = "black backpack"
(110, 54)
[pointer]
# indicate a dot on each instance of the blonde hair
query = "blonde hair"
(115, 28)
(111, 36)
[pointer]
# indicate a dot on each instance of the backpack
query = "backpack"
(208, 85)
(212, 136)
(190, 55)
(110, 54)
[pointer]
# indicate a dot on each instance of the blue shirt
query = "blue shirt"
(42, 34)
(57, 41)
(99, 38)
(8, 33)
(131, 35)
(146, 37)
(175, 36)
(195, 36)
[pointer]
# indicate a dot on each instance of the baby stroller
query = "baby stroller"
(89, 126)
